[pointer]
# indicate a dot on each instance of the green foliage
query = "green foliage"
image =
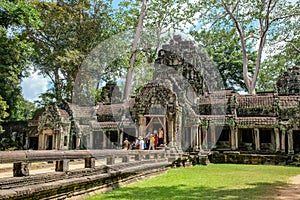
(219, 181)
(70, 32)
(224, 49)
(3, 113)
(281, 56)
(259, 24)
(15, 53)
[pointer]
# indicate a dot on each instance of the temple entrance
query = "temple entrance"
(223, 140)
(246, 139)
(296, 141)
(33, 143)
(49, 142)
(155, 122)
(265, 138)
(74, 139)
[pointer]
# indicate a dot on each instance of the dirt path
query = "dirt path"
(292, 191)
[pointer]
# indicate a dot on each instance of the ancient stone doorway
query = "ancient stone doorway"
(49, 142)
(33, 143)
(223, 142)
(246, 139)
(296, 141)
(74, 139)
(265, 138)
(154, 123)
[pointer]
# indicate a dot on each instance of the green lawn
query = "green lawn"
(215, 181)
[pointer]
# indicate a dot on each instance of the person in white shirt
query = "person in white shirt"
(142, 143)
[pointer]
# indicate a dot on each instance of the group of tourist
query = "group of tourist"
(150, 142)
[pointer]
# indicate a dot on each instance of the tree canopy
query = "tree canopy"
(15, 53)
(258, 24)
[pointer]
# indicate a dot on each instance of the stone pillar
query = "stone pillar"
(233, 138)
(20, 169)
(103, 140)
(204, 133)
(41, 141)
(27, 142)
(142, 125)
(62, 165)
(91, 146)
(170, 129)
(199, 141)
(137, 157)
(290, 142)
(125, 158)
(89, 162)
(110, 160)
(256, 138)
(213, 136)
(277, 139)
(194, 136)
(283, 132)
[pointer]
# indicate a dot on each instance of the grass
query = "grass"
(215, 181)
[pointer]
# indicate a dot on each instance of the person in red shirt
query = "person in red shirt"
(155, 139)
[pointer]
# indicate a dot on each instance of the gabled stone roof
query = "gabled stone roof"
(82, 111)
(251, 101)
(256, 120)
(289, 101)
(63, 114)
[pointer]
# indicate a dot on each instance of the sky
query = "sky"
(33, 86)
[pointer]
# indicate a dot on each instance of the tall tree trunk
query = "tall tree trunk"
(134, 50)
(57, 85)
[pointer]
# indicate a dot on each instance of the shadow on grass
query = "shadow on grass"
(257, 191)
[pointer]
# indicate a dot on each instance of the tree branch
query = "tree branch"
(243, 44)
(293, 45)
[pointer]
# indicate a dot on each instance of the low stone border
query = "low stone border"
(68, 187)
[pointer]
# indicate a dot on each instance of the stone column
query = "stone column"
(142, 125)
(256, 138)
(91, 140)
(204, 133)
(194, 136)
(110, 160)
(277, 139)
(20, 169)
(27, 142)
(103, 139)
(170, 129)
(199, 141)
(62, 166)
(283, 132)
(213, 136)
(233, 138)
(125, 158)
(41, 141)
(290, 142)
(89, 162)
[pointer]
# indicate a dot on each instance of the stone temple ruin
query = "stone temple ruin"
(187, 101)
